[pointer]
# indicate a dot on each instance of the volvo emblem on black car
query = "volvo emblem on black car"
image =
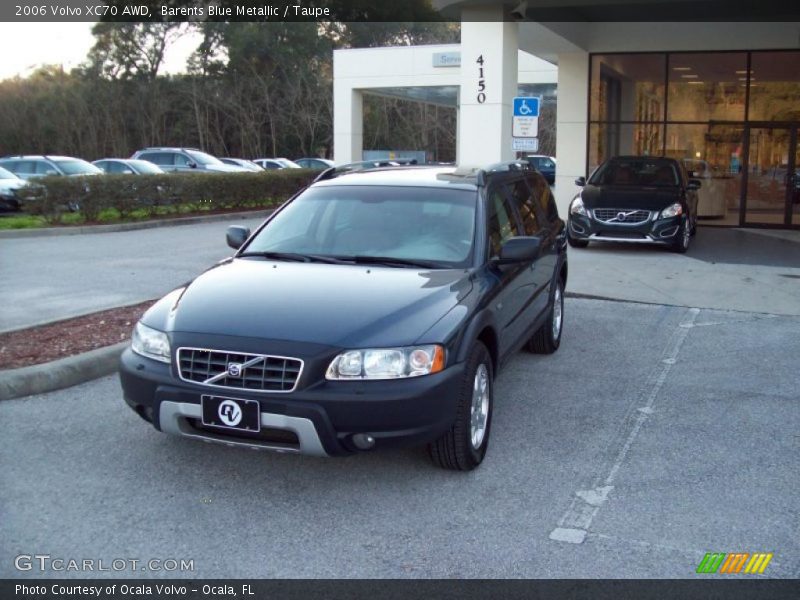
(234, 369)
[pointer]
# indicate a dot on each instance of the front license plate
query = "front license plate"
(231, 413)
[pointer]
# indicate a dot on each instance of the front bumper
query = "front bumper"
(650, 231)
(320, 419)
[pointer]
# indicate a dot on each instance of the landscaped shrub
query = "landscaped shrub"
(178, 192)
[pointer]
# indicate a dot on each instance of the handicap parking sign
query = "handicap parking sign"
(527, 106)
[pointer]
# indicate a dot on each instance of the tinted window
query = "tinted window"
(525, 205)
(201, 158)
(543, 198)
(76, 166)
(144, 167)
(160, 158)
(181, 160)
(502, 223)
(636, 171)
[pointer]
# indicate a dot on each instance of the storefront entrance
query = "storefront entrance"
(772, 176)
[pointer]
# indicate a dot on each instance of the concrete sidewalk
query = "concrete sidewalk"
(730, 269)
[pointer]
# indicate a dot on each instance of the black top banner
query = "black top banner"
(397, 10)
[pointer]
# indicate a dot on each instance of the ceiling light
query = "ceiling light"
(681, 68)
(697, 82)
(689, 76)
(743, 72)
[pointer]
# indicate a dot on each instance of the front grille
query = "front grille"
(623, 216)
(256, 372)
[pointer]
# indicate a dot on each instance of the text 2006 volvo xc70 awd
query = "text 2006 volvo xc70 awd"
(373, 309)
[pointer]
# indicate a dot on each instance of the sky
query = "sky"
(26, 46)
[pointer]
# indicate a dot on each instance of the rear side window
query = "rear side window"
(502, 223)
(543, 198)
(163, 159)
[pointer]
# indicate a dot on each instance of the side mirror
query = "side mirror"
(519, 249)
(580, 181)
(192, 165)
(236, 236)
(694, 184)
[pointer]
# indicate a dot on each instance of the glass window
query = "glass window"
(502, 223)
(165, 159)
(524, 203)
(628, 87)
(623, 139)
(426, 224)
(201, 158)
(75, 166)
(775, 86)
(712, 154)
(707, 86)
(636, 172)
(42, 167)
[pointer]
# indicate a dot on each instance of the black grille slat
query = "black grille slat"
(267, 373)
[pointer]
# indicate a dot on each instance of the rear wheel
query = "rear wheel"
(463, 447)
(547, 338)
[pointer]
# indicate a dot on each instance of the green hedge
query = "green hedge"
(175, 193)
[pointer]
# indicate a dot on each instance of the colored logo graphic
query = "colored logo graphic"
(720, 562)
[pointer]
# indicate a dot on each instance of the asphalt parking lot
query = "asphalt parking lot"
(660, 432)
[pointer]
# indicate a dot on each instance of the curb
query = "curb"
(62, 373)
(113, 228)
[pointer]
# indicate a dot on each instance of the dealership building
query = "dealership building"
(721, 93)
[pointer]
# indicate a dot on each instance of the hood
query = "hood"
(225, 168)
(337, 305)
(629, 196)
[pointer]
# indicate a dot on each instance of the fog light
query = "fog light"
(363, 441)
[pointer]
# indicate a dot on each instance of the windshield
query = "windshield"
(636, 171)
(409, 223)
(76, 166)
(201, 158)
(7, 174)
(289, 164)
(144, 166)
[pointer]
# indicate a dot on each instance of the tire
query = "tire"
(547, 338)
(463, 447)
(681, 245)
(577, 243)
(694, 226)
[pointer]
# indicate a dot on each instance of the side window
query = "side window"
(181, 160)
(163, 159)
(45, 168)
(521, 195)
(543, 198)
(502, 223)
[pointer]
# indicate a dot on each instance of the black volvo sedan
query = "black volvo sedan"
(373, 309)
(638, 199)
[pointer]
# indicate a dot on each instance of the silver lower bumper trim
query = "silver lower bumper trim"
(602, 238)
(172, 418)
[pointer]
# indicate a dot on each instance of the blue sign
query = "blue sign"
(527, 106)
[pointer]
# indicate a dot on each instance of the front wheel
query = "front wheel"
(547, 338)
(463, 447)
(681, 244)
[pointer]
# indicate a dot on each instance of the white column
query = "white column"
(571, 125)
(484, 123)
(348, 123)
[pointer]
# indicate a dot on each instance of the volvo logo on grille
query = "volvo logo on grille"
(230, 413)
(621, 216)
(234, 369)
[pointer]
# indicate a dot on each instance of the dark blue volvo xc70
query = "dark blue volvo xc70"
(373, 309)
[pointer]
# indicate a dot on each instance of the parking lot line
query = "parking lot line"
(585, 504)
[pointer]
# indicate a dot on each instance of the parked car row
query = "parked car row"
(17, 171)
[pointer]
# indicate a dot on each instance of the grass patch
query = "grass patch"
(21, 222)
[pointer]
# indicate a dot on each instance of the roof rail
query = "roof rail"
(364, 165)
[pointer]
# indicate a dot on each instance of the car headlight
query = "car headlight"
(577, 207)
(387, 363)
(673, 210)
(150, 343)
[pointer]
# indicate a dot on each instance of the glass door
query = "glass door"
(773, 181)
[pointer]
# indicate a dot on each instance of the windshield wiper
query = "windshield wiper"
(294, 256)
(392, 261)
